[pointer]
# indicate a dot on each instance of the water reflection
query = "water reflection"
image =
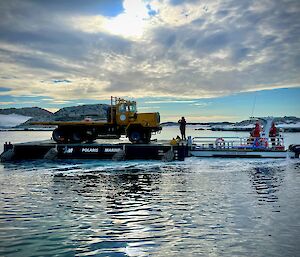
(189, 208)
(122, 210)
(267, 181)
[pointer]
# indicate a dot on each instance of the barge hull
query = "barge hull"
(38, 150)
(239, 154)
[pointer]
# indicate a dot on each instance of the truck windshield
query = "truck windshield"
(122, 108)
(132, 108)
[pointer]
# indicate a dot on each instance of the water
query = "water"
(199, 207)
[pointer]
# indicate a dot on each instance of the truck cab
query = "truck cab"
(138, 126)
(126, 111)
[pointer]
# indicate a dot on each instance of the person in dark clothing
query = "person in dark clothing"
(182, 125)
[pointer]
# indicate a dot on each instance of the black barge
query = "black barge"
(120, 151)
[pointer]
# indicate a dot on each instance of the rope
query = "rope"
(254, 103)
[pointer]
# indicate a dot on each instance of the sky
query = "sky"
(207, 60)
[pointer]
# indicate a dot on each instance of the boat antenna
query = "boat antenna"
(254, 103)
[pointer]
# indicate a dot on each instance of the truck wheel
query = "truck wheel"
(59, 135)
(90, 135)
(147, 137)
(135, 136)
(76, 137)
(91, 139)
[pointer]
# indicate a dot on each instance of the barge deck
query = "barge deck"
(50, 150)
(120, 151)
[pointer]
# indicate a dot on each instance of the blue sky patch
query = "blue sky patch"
(5, 89)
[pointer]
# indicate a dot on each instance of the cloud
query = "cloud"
(192, 49)
(6, 103)
(201, 105)
(201, 118)
(148, 107)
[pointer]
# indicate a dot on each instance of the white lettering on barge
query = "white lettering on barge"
(68, 150)
(89, 150)
(112, 150)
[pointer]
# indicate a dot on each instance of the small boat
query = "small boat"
(237, 147)
(263, 146)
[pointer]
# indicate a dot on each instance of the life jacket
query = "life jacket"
(273, 132)
(256, 132)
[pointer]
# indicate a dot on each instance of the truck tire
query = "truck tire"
(90, 135)
(135, 136)
(147, 137)
(76, 136)
(91, 139)
(59, 135)
(138, 136)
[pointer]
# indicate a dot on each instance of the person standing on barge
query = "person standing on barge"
(273, 133)
(254, 134)
(182, 125)
(256, 131)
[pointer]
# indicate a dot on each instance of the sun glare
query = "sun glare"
(132, 22)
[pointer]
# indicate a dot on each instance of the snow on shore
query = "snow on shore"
(12, 120)
(290, 125)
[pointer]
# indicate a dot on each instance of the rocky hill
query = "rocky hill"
(277, 120)
(287, 123)
(13, 117)
(94, 111)
(74, 113)
(22, 117)
(27, 111)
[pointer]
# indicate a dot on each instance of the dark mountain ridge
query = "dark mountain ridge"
(72, 113)
(27, 111)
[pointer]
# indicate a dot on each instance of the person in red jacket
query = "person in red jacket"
(256, 131)
(273, 134)
(273, 131)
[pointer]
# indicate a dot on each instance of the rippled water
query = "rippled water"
(199, 207)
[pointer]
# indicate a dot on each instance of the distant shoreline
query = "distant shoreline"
(25, 129)
(223, 126)
(249, 129)
(204, 127)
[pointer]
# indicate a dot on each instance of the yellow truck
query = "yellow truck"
(122, 119)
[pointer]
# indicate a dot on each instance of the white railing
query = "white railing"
(237, 142)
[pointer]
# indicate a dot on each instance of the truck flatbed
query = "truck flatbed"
(71, 123)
